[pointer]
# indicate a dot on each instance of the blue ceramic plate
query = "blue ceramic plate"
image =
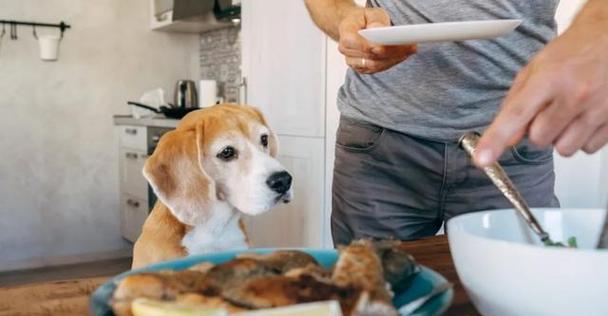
(424, 281)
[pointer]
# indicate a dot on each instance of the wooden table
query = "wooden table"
(71, 297)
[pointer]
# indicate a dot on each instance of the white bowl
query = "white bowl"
(506, 271)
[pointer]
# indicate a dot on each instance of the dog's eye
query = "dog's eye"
(264, 140)
(227, 154)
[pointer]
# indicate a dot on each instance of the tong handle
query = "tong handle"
(501, 180)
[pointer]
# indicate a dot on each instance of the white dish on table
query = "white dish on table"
(439, 32)
(506, 271)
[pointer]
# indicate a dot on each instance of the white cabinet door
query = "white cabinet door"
(133, 213)
(132, 180)
(299, 223)
(284, 65)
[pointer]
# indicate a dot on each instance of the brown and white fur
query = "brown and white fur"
(217, 164)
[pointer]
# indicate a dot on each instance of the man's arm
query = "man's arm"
(327, 14)
(342, 20)
(561, 96)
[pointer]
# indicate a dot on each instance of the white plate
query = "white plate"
(439, 32)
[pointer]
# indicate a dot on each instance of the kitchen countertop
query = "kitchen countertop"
(71, 297)
(159, 121)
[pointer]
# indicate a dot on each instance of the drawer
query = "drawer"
(132, 180)
(133, 214)
(133, 137)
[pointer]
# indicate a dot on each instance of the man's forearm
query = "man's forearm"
(594, 11)
(327, 14)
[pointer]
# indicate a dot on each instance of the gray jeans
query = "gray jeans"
(391, 185)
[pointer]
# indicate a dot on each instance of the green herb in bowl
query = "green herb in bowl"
(571, 243)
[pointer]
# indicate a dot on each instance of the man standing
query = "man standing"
(398, 171)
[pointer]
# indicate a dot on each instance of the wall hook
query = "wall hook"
(2, 34)
(34, 31)
(62, 27)
(13, 31)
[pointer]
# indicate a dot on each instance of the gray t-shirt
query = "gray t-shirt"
(447, 89)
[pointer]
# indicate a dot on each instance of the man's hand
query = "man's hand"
(361, 55)
(561, 96)
(342, 20)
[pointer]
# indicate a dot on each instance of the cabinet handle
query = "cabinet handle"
(132, 203)
(161, 17)
(243, 91)
(131, 155)
(131, 131)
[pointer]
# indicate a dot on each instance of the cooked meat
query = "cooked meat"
(210, 302)
(277, 291)
(202, 267)
(398, 265)
(283, 260)
(235, 272)
(165, 285)
(312, 270)
(253, 281)
(359, 266)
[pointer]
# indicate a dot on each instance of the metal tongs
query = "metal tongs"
(499, 177)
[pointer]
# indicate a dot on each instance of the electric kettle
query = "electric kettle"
(185, 94)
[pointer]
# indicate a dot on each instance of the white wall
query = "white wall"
(58, 153)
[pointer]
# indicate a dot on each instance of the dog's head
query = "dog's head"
(225, 152)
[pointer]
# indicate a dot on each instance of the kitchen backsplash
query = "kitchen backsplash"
(220, 57)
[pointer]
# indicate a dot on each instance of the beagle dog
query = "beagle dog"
(220, 162)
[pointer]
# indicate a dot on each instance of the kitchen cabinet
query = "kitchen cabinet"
(137, 140)
(133, 186)
(284, 60)
(133, 214)
(131, 164)
(161, 19)
(300, 222)
(133, 137)
(283, 56)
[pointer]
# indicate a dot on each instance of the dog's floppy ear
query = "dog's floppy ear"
(175, 173)
(273, 141)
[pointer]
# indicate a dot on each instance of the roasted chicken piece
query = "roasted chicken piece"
(283, 260)
(165, 285)
(311, 270)
(360, 267)
(278, 291)
(398, 265)
(210, 302)
(168, 285)
(234, 272)
(202, 267)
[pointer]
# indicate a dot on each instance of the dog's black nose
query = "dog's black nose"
(279, 182)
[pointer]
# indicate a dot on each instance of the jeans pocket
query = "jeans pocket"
(526, 153)
(358, 136)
